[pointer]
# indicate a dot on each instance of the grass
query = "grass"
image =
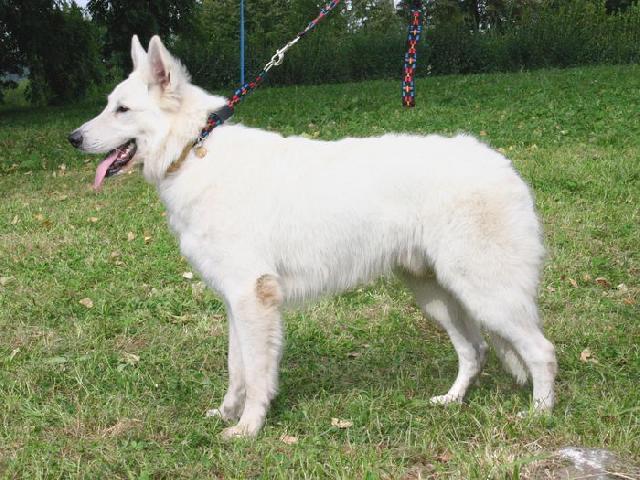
(119, 390)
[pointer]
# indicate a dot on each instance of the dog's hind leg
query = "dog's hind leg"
(511, 313)
(436, 303)
(258, 329)
(233, 402)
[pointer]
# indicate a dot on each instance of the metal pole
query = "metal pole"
(241, 42)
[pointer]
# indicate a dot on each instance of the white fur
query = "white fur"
(310, 217)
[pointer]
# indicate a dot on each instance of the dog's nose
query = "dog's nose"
(75, 138)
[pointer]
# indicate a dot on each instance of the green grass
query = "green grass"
(119, 390)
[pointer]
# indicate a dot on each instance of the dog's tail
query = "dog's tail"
(509, 358)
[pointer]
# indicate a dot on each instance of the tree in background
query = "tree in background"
(54, 43)
(121, 19)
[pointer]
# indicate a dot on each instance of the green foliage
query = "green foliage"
(367, 41)
(55, 43)
(121, 19)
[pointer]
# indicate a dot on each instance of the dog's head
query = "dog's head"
(139, 111)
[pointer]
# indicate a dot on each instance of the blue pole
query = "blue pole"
(241, 42)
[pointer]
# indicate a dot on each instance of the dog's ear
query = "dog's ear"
(161, 63)
(138, 55)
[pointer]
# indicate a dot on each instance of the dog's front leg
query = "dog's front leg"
(233, 402)
(258, 329)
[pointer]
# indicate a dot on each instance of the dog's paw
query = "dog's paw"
(238, 431)
(445, 399)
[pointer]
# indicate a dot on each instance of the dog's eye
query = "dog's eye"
(122, 109)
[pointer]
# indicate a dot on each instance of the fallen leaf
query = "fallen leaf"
(39, 217)
(187, 275)
(115, 254)
(147, 238)
(587, 356)
(87, 302)
(573, 282)
(289, 440)
(353, 354)
(622, 287)
(551, 289)
(629, 301)
(131, 236)
(92, 219)
(130, 358)
(5, 280)
(340, 423)
(483, 133)
(444, 457)
(15, 220)
(62, 167)
(14, 352)
(121, 426)
(586, 277)
(603, 282)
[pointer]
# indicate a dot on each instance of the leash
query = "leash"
(410, 58)
(218, 117)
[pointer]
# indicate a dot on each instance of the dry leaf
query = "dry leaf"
(573, 282)
(587, 356)
(15, 220)
(622, 287)
(353, 354)
(92, 219)
(5, 280)
(39, 217)
(187, 275)
(289, 440)
(340, 423)
(87, 302)
(62, 167)
(629, 301)
(115, 254)
(551, 289)
(131, 236)
(483, 133)
(444, 457)
(147, 238)
(586, 277)
(130, 358)
(14, 352)
(603, 282)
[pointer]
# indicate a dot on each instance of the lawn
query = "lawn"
(110, 354)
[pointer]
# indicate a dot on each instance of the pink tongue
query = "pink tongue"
(101, 171)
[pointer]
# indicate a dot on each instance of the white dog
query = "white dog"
(267, 220)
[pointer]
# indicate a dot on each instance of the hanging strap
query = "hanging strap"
(410, 58)
(218, 117)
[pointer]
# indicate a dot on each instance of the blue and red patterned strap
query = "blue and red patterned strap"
(410, 58)
(221, 115)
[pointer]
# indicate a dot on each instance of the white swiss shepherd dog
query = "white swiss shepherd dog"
(268, 220)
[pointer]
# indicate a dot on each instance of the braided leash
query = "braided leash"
(410, 58)
(219, 116)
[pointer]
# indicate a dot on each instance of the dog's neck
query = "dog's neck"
(195, 106)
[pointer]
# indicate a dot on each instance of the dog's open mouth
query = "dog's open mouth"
(114, 162)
